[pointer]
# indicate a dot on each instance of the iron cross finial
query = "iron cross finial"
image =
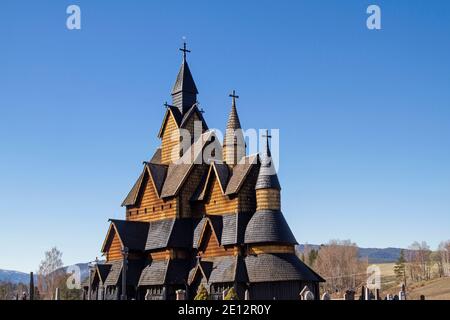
(185, 50)
(234, 96)
(267, 135)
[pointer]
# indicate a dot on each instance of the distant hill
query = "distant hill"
(22, 277)
(14, 276)
(374, 255)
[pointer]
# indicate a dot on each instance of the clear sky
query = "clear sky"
(364, 116)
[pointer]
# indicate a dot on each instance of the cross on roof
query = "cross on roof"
(233, 95)
(167, 105)
(184, 50)
(267, 135)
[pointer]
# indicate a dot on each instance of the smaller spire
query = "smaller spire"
(233, 119)
(267, 177)
(234, 147)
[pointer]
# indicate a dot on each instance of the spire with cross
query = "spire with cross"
(184, 91)
(267, 136)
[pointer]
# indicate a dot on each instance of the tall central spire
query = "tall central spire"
(184, 92)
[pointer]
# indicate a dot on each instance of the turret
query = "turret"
(267, 185)
(234, 142)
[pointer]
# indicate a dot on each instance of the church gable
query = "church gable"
(216, 202)
(169, 134)
(209, 244)
(149, 206)
(112, 246)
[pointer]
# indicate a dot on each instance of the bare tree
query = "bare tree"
(49, 273)
(339, 263)
(420, 262)
(443, 259)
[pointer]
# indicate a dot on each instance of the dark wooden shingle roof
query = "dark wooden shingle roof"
(240, 173)
(173, 233)
(267, 177)
(154, 273)
(185, 81)
(160, 272)
(133, 234)
(114, 273)
(278, 267)
(268, 227)
(226, 269)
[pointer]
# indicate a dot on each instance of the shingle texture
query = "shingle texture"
(173, 233)
(278, 267)
(267, 178)
(114, 273)
(154, 273)
(160, 272)
(132, 233)
(239, 174)
(185, 81)
(268, 226)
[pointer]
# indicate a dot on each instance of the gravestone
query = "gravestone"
(349, 295)
(326, 296)
(308, 295)
(181, 294)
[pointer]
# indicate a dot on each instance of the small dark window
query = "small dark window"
(145, 210)
(137, 211)
(170, 206)
(154, 209)
(162, 207)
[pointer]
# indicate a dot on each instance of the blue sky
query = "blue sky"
(364, 116)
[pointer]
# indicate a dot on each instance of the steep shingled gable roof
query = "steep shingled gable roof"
(169, 233)
(218, 170)
(240, 173)
(178, 172)
(132, 234)
(180, 119)
(157, 172)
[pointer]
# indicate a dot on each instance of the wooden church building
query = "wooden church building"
(206, 214)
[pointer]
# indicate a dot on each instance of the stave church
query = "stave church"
(193, 220)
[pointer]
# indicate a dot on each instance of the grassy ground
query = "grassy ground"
(436, 289)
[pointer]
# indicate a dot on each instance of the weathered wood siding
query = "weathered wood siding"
(188, 210)
(260, 249)
(159, 255)
(268, 199)
(114, 252)
(216, 203)
(170, 145)
(149, 207)
(247, 194)
(210, 246)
